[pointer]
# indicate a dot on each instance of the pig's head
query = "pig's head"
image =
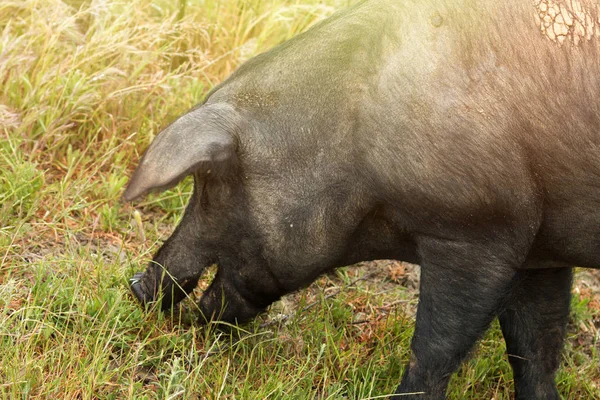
(276, 203)
(284, 186)
(200, 142)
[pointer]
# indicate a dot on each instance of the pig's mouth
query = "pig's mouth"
(156, 286)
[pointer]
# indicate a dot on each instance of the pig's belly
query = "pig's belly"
(568, 236)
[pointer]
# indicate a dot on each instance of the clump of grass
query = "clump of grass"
(84, 87)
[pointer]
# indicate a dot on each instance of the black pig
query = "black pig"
(462, 135)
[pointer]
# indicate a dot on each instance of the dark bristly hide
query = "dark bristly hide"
(461, 135)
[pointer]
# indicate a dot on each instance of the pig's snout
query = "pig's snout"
(157, 286)
(141, 293)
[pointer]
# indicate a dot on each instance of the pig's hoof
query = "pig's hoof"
(138, 289)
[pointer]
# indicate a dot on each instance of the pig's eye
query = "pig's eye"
(204, 198)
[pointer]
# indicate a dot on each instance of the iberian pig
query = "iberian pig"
(461, 135)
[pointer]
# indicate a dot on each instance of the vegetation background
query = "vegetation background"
(84, 87)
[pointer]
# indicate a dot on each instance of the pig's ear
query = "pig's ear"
(201, 141)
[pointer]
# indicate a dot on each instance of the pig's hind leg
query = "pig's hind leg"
(463, 284)
(533, 321)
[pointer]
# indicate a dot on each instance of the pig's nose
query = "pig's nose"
(135, 283)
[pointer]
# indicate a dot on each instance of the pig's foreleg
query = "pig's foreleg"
(462, 286)
(533, 322)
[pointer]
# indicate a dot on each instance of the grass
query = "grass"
(84, 87)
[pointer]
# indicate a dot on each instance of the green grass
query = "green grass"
(84, 87)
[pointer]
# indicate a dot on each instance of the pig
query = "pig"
(461, 135)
